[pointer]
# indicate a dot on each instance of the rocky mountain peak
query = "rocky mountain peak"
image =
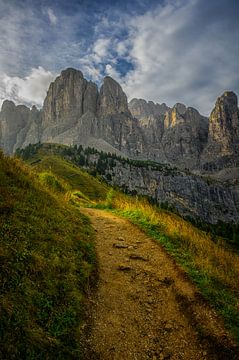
(141, 109)
(75, 112)
(8, 105)
(180, 108)
(64, 101)
(71, 72)
(223, 136)
(112, 99)
(12, 119)
(228, 98)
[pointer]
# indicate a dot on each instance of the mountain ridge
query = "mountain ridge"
(75, 111)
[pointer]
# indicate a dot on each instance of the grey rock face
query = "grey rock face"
(151, 123)
(176, 136)
(32, 132)
(13, 119)
(191, 195)
(90, 98)
(112, 99)
(142, 110)
(75, 112)
(223, 136)
(64, 100)
(185, 135)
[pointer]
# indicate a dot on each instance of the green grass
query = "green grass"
(47, 263)
(76, 178)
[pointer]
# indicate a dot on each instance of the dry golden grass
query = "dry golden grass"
(212, 257)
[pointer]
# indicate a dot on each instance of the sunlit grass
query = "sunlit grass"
(47, 261)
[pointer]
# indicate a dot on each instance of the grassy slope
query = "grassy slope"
(76, 178)
(47, 258)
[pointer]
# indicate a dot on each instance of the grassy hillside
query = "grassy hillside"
(46, 158)
(47, 261)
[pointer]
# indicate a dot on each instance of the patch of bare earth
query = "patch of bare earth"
(145, 307)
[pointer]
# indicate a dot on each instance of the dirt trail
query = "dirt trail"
(144, 306)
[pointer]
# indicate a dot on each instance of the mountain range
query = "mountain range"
(76, 112)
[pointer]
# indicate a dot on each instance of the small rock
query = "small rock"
(168, 327)
(138, 257)
(130, 247)
(167, 281)
(120, 246)
(123, 268)
(120, 238)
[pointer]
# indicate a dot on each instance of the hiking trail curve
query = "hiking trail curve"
(145, 306)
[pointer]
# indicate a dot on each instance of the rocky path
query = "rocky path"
(144, 306)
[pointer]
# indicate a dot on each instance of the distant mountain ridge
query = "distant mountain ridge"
(75, 111)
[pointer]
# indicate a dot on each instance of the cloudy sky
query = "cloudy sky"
(165, 50)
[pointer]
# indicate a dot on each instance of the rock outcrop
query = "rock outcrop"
(112, 99)
(143, 110)
(223, 135)
(192, 196)
(14, 123)
(184, 137)
(176, 136)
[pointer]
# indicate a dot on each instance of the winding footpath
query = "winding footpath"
(144, 306)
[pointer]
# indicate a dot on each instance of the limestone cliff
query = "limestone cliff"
(143, 110)
(14, 121)
(223, 135)
(184, 137)
(190, 195)
(112, 99)
(176, 136)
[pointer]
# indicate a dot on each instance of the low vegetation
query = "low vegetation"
(47, 263)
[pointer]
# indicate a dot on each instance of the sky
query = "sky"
(165, 51)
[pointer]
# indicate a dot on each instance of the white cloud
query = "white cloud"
(184, 50)
(52, 17)
(180, 54)
(110, 71)
(28, 90)
(90, 71)
(101, 47)
(121, 48)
